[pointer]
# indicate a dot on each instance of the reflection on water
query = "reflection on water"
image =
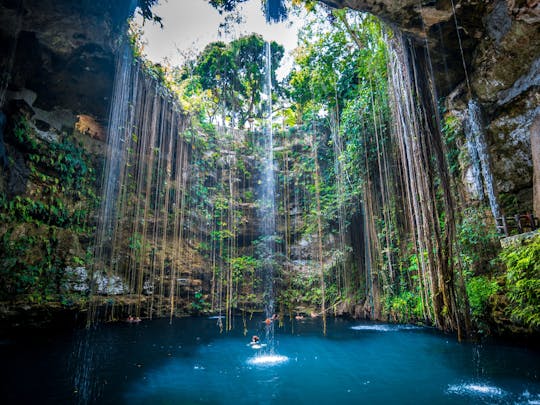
(190, 361)
(385, 327)
(267, 360)
(484, 392)
(475, 389)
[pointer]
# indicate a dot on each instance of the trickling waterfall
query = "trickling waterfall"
(115, 158)
(475, 164)
(267, 203)
(140, 232)
(479, 154)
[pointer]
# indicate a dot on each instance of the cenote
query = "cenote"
(190, 361)
(359, 178)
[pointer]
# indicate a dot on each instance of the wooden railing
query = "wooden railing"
(520, 223)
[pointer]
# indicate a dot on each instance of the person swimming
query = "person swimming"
(131, 319)
(256, 343)
(268, 321)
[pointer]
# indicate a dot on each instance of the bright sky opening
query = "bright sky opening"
(189, 25)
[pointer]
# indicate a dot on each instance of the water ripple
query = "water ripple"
(267, 360)
(384, 328)
(476, 389)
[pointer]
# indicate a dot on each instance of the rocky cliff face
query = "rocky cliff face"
(487, 50)
(61, 52)
(57, 62)
(505, 78)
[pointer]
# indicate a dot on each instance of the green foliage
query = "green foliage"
(60, 167)
(509, 204)
(480, 289)
(302, 290)
(225, 5)
(28, 210)
(244, 275)
(199, 303)
(136, 242)
(523, 281)
(72, 172)
(27, 267)
(32, 258)
(405, 307)
(339, 87)
(243, 267)
(145, 10)
(234, 75)
(275, 10)
(452, 132)
(478, 242)
(23, 135)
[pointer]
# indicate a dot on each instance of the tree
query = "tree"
(215, 68)
(275, 10)
(235, 73)
(145, 10)
(250, 55)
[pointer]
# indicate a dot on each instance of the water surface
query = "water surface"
(191, 362)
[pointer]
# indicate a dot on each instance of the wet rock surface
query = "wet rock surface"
(62, 51)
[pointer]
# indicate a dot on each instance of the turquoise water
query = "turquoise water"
(190, 362)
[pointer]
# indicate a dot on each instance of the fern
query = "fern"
(523, 281)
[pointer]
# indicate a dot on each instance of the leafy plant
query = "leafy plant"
(404, 307)
(479, 290)
(478, 242)
(452, 132)
(523, 281)
(199, 304)
(33, 261)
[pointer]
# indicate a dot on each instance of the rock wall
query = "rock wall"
(62, 51)
(535, 147)
(498, 43)
(57, 62)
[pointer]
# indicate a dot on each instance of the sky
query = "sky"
(192, 24)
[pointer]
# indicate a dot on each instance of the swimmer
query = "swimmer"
(256, 343)
(268, 321)
(298, 317)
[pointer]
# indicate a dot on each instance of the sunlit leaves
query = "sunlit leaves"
(234, 75)
(275, 10)
(523, 281)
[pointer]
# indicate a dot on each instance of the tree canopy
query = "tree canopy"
(275, 10)
(234, 75)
